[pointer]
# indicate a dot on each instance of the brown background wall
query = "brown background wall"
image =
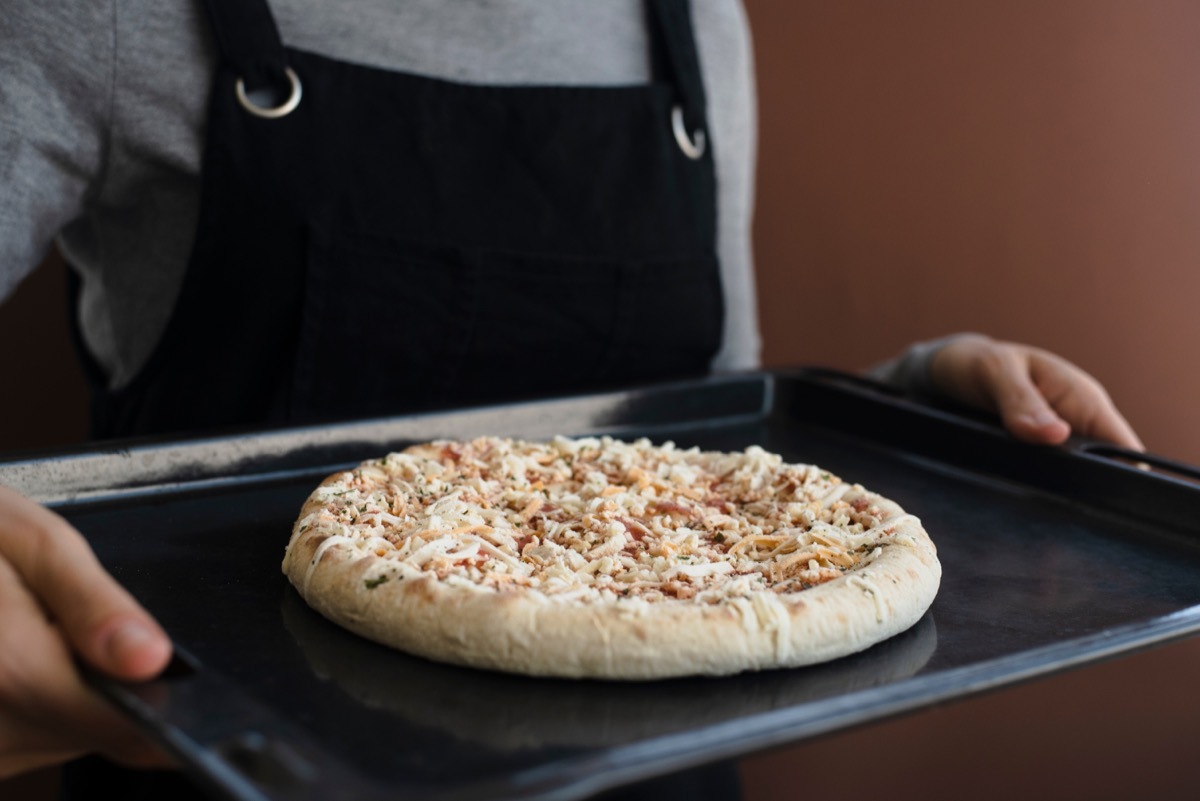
(1028, 168)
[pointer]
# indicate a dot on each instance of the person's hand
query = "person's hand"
(56, 600)
(1039, 396)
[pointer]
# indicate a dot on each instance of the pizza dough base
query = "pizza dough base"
(526, 632)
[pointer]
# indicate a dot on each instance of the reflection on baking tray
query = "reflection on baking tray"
(510, 713)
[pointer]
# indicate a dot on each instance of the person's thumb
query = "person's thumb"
(101, 621)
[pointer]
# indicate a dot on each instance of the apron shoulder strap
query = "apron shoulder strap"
(674, 45)
(247, 39)
(249, 42)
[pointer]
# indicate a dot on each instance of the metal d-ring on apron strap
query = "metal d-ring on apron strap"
(272, 112)
(672, 23)
(256, 50)
(249, 40)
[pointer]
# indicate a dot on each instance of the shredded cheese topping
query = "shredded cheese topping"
(597, 519)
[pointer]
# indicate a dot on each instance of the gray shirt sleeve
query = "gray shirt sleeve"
(55, 93)
(910, 369)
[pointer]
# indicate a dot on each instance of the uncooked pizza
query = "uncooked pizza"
(594, 557)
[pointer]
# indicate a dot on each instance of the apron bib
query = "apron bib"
(374, 243)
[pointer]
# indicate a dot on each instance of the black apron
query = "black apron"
(396, 243)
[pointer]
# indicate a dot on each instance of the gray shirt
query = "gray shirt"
(102, 116)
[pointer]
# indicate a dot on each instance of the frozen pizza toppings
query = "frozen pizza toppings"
(594, 520)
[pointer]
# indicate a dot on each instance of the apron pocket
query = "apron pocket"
(561, 325)
(384, 326)
(391, 327)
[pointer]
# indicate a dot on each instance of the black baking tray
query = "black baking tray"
(1053, 557)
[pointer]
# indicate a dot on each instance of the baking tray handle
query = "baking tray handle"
(1138, 485)
(227, 740)
(1153, 464)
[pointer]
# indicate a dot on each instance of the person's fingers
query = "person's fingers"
(47, 714)
(30, 680)
(1040, 397)
(1024, 409)
(99, 618)
(997, 377)
(55, 598)
(1081, 400)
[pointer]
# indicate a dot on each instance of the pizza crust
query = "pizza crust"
(522, 630)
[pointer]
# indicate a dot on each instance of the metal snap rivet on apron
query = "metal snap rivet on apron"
(692, 147)
(273, 112)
